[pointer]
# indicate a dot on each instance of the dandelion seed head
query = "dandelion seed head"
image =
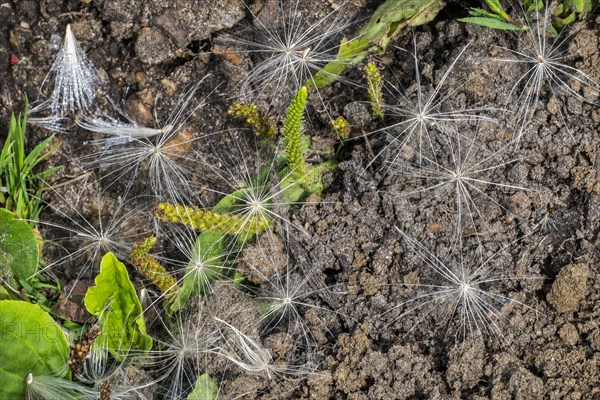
(465, 288)
(199, 266)
(286, 56)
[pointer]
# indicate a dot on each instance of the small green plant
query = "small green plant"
(19, 251)
(342, 127)
(496, 17)
(113, 300)
(206, 255)
(203, 220)
(375, 93)
(297, 177)
(565, 12)
(263, 126)
(293, 135)
(205, 389)
(20, 186)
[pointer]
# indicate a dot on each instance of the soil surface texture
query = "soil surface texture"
(454, 263)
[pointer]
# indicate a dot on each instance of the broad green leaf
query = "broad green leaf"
(291, 189)
(491, 23)
(394, 15)
(30, 342)
(205, 389)
(19, 251)
(579, 6)
(114, 301)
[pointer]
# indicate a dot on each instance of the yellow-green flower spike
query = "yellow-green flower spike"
(263, 126)
(375, 89)
(342, 127)
(151, 268)
(204, 220)
(292, 134)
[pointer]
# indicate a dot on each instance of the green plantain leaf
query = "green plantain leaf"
(205, 389)
(19, 251)
(114, 301)
(30, 342)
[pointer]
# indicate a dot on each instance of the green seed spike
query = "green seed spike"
(292, 134)
(204, 220)
(375, 85)
(151, 268)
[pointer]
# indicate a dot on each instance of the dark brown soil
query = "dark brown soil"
(366, 341)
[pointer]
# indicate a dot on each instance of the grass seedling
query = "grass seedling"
(565, 13)
(461, 291)
(496, 17)
(20, 186)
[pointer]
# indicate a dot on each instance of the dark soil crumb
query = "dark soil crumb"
(366, 338)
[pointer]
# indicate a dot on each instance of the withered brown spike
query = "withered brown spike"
(105, 391)
(81, 349)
